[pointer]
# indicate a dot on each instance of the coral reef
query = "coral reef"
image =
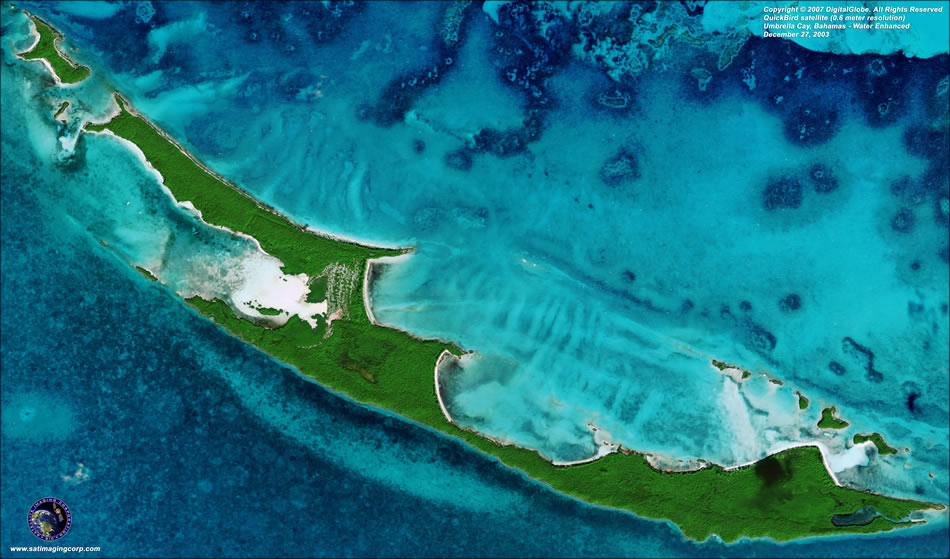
(811, 125)
(619, 169)
(460, 159)
(822, 178)
(837, 368)
(500, 143)
(451, 22)
(783, 192)
(903, 220)
(863, 355)
(790, 303)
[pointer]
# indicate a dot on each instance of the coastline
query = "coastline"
(367, 303)
(367, 284)
(46, 64)
(603, 449)
(461, 439)
(123, 104)
(186, 205)
(524, 475)
(438, 393)
(471, 437)
(57, 36)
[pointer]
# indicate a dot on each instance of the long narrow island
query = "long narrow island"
(785, 496)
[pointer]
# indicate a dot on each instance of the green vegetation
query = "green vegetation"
(61, 109)
(269, 311)
(223, 204)
(878, 440)
(46, 49)
(830, 420)
(146, 273)
(722, 366)
(318, 290)
(777, 381)
(802, 401)
(785, 496)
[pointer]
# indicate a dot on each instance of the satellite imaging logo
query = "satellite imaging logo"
(49, 519)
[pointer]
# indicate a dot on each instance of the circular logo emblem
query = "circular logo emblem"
(49, 519)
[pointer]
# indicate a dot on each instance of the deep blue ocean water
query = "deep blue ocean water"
(167, 437)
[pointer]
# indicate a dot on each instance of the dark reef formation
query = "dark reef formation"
(501, 143)
(325, 20)
(822, 178)
(459, 159)
(903, 220)
(837, 368)
(790, 303)
(810, 125)
(531, 42)
(783, 192)
(863, 355)
(614, 99)
(621, 168)
(401, 93)
(760, 339)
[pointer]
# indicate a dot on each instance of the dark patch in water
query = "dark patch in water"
(836, 368)
(782, 193)
(911, 401)
(864, 355)
(811, 125)
(726, 314)
(459, 159)
(613, 99)
(789, 303)
(619, 169)
(501, 143)
(822, 178)
(903, 221)
(760, 339)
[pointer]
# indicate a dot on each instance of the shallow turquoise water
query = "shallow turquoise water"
(587, 301)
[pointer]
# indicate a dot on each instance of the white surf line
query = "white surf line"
(606, 448)
(186, 204)
(61, 116)
(603, 449)
(190, 208)
(128, 108)
(822, 449)
(49, 67)
(366, 274)
(438, 393)
(446, 354)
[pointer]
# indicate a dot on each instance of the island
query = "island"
(878, 440)
(830, 420)
(784, 496)
(802, 401)
(45, 49)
